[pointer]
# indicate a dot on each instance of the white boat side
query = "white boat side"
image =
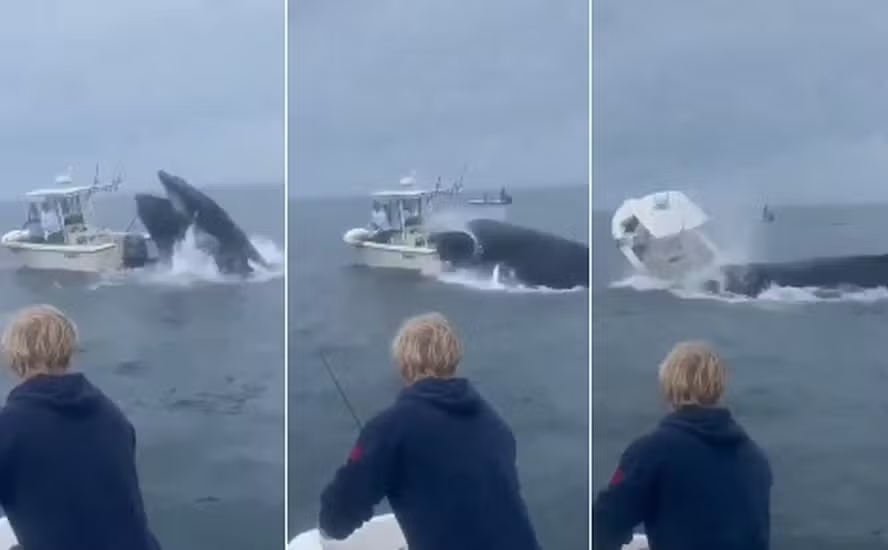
(382, 532)
(97, 257)
(423, 259)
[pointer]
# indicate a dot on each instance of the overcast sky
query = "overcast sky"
(192, 86)
(754, 100)
(380, 88)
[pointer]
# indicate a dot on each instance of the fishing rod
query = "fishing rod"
(341, 391)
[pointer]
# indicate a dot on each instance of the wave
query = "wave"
(190, 265)
(774, 294)
(496, 281)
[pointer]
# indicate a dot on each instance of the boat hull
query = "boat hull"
(7, 536)
(99, 257)
(380, 533)
(93, 259)
(383, 533)
(423, 260)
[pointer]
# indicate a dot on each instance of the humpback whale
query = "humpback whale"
(827, 273)
(168, 219)
(532, 257)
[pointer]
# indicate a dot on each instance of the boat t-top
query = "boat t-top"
(396, 236)
(59, 232)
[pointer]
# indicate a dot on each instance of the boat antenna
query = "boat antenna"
(341, 391)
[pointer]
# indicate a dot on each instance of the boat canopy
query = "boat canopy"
(60, 192)
(661, 214)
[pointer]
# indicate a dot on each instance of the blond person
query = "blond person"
(67, 454)
(697, 482)
(443, 457)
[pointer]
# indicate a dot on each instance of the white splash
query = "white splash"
(191, 266)
(496, 281)
(774, 294)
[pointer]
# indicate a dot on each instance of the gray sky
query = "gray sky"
(751, 100)
(379, 88)
(192, 86)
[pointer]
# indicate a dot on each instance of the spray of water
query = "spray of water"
(775, 294)
(496, 281)
(192, 266)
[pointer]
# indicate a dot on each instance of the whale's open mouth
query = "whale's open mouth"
(185, 207)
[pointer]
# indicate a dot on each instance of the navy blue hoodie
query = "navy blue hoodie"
(698, 482)
(67, 468)
(446, 462)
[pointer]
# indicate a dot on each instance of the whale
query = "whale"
(829, 273)
(531, 257)
(168, 219)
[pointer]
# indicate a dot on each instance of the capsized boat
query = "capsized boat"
(382, 532)
(59, 233)
(662, 235)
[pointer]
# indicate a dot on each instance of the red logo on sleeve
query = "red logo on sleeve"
(617, 477)
(355, 453)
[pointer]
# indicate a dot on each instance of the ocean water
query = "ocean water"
(196, 363)
(808, 371)
(527, 352)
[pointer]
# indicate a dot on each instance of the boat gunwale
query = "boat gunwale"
(394, 247)
(59, 248)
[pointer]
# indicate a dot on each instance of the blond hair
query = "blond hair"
(692, 374)
(426, 346)
(39, 339)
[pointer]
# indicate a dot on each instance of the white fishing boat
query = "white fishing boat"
(396, 237)
(662, 235)
(59, 233)
(402, 221)
(383, 533)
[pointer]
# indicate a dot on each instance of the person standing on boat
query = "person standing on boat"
(440, 454)
(67, 454)
(698, 481)
(379, 218)
(50, 222)
(33, 226)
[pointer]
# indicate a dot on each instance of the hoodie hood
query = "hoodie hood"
(452, 395)
(713, 425)
(71, 393)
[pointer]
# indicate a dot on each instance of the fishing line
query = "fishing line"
(341, 391)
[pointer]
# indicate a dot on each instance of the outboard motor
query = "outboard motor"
(135, 251)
